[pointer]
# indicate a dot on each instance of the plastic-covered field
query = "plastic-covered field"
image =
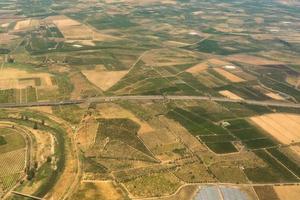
(220, 193)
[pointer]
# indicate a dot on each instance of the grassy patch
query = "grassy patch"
(70, 113)
(153, 185)
(14, 140)
(222, 147)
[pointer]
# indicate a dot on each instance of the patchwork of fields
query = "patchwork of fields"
(237, 138)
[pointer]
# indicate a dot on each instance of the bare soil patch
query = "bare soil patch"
(231, 77)
(230, 95)
(198, 68)
(19, 79)
(274, 96)
(45, 109)
(284, 127)
(288, 192)
(6, 38)
(25, 24)
(104, 79)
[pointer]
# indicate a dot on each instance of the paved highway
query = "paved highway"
(150, 97)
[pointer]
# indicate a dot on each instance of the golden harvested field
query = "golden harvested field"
(198, 68)
(45, 109)
(215, 62)
(231, 77)
(74, 30)
(19, 79)
(291, 192)
(111, 111)
(274, 96)
(295, 149)
(25, 24)
(104, 79)
(284, 127)
(252, 60)
(230, 95)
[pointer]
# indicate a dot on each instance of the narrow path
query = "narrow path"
(27, 195)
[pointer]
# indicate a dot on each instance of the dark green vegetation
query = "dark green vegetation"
(252, 137)
(285, 160)
(211, 134)
(70, 113)
(2, 140)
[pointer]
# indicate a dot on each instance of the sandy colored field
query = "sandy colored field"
(25, 24)
(19, 79)
(5, 25)
(82, 42)
(230, 95)
(176, 43)
(233, 78)
(295, 149)
(110, 111)
(252, 60)
(217, 62)
(104, 79)
(6, 38)
(291, 192)
(74, 30)
(198, 68)
(274, 96)
(45, 109)
(284, 127)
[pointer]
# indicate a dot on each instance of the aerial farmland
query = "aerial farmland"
(149, 100)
